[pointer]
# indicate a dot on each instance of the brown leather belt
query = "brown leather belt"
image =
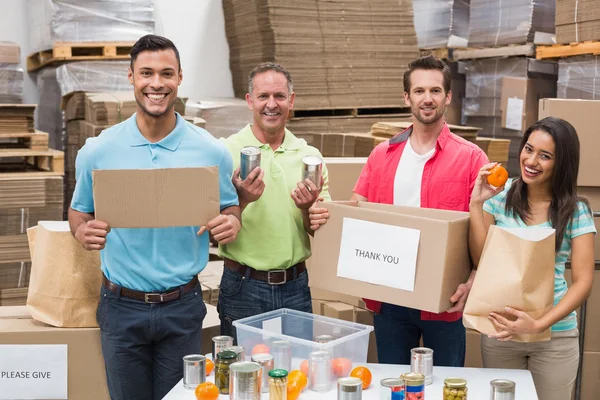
(150, 297)
(273, 277)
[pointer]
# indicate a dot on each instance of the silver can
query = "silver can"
(266, 363)
(244, 381)
(249, 159)
(349, 389)
(320, 377)
(391, 389)
(324, 339)
(502, 389)
(282, 354)
(240, 351)
(220, 343)
(194, 370)
(313, 166)
(421, 362)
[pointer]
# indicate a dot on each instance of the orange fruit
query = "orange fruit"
(297, 378)
(363, 374)
(210, 366)
(498, 176)
(304, 367)
(293, 392)
(207, 391)
(341, 367)
(261, 349)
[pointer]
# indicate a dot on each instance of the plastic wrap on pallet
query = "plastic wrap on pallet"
(484, 77)
(11, 83)
(579, 78)
(441, 23)
(88, 21)
(224, 116)
(499, 23)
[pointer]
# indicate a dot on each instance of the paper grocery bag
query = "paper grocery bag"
(65, 280)
(516, 270)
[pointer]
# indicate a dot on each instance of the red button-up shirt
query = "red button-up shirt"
(447, 182)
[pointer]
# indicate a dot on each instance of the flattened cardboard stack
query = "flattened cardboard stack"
(497, 23)
(11, 74)
(441, 23)
(223, 117)
(579, 78)
(577, 20)
(482, 106)
(340, 53)
(16, 118)
(341, 124)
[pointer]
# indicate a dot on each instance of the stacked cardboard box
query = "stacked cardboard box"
(577, 20)
(341, 124)
(87, 21)
(497, 23)
(441, 23)
(340, 53)
(223, 117)
(579, 78)
(483, 104)
(11, 73)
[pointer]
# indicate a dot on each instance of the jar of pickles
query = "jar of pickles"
(278, 384)
(224, 360)
(455, 389)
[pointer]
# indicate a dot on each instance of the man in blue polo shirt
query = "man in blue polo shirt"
(151, 309)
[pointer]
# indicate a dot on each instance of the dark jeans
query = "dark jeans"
(241, 297)
(143, 344)
(398, 330)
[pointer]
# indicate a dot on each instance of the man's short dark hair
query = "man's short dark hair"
(270, 66)
(428, 62)
(153, 43)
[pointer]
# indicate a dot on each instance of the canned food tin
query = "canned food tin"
(240, 351)
(349, 389)
(392, 389)
(313, 169)
(414, 385)
(320, 376)
(266, 363)
(282, 354)
(194, 370)
(421, 362)
(502, 389)
(220, 343)
(324, 338)
(244, 381)
(455, 389)
(249, 159)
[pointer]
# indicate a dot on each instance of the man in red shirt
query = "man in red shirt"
(425, 166)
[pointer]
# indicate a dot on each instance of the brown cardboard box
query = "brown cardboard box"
(524, 95)
(365, 317)
(343, 174)
(325, 295)
(342, 311)
(10, 53)
(590, 376)
(592, 194)
(575, 112)
(438, 273)
(473, 352)
(155, 198)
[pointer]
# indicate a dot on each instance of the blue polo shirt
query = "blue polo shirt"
(152, 259)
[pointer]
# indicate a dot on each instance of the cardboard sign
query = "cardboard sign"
(378, 253)
(33, 371)
(156, 198)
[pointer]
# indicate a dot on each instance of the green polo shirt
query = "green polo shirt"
(273, 235)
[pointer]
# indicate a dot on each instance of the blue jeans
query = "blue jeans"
(398, 330)
(143, 344)
(241, 297)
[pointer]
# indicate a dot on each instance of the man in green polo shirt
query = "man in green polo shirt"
(264, 267)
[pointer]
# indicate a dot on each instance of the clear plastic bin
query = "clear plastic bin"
(349, 345)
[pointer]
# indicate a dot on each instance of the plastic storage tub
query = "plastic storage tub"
(349, 340)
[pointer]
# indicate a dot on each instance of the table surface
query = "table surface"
(478, 383)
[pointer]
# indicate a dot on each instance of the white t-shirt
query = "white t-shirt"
(407, 182)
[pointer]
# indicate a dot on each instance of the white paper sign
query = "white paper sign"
(378, 253)
(273, 325)
(514, 114)
(33, 372)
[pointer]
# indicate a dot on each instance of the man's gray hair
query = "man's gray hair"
(270, 66)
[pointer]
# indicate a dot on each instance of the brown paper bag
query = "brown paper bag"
(516, 270)
(64, 287)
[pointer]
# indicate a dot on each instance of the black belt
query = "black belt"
(274, 277)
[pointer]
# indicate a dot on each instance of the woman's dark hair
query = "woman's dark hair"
(563, 182)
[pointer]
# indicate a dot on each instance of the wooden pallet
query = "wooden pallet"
(27, 162)
(82, 51)
(568, 50)
(505, 51)
(349, 112)
(33, 141)
(444, 54)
